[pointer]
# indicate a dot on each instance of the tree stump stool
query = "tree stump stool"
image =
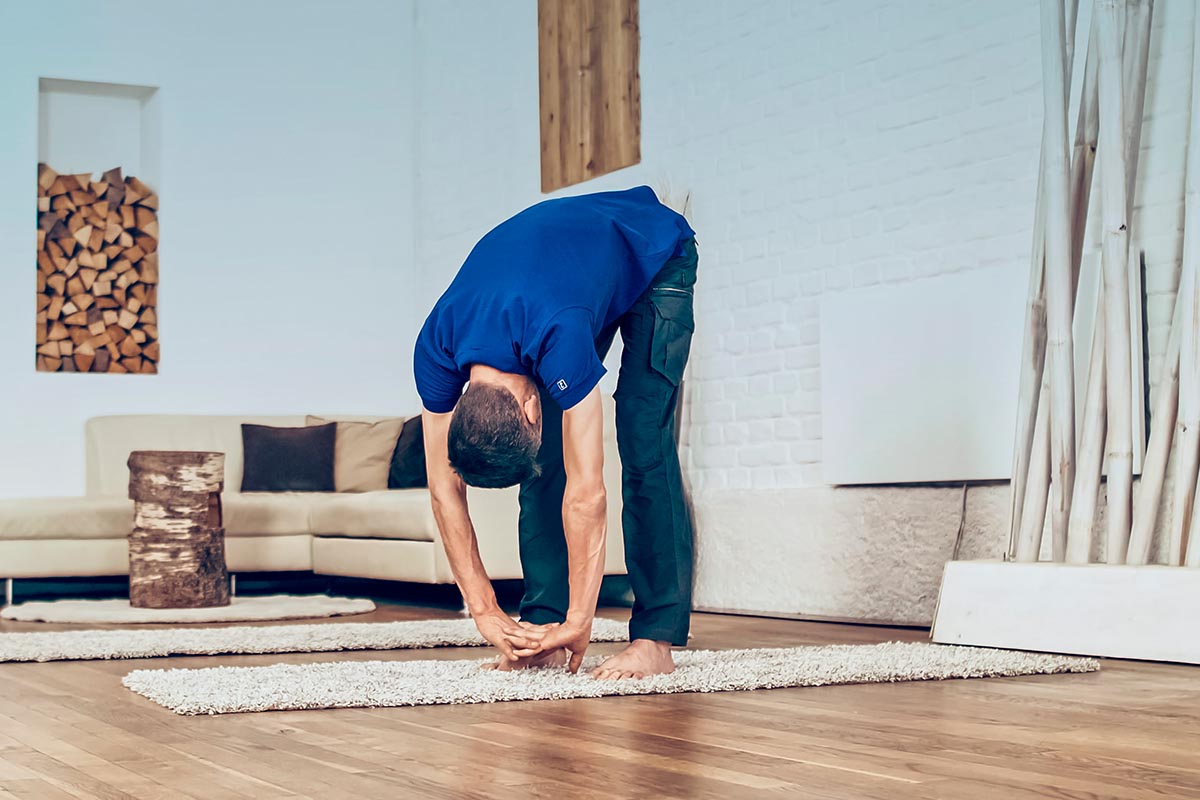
(177, 546)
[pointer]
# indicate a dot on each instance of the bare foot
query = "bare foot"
(643, 657)
(554, 658)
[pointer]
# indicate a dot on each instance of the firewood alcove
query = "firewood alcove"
(97, 273)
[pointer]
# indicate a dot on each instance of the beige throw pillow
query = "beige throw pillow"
(362, 453)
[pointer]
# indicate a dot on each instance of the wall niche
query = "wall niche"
(97, 231)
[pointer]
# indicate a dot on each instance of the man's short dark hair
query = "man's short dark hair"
(491, 443)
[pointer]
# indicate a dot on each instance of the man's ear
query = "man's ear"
(532, 408)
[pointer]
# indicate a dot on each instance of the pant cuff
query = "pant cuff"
(677, 637)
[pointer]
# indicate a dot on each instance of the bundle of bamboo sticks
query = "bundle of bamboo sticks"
(1057, 463)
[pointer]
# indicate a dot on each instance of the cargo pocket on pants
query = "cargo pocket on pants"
(674, 323)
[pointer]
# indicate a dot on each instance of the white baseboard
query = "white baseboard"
(1146, 612)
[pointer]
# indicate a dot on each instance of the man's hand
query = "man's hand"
(511, 639)
(570, 636)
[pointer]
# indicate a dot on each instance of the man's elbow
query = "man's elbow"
(446, 493)
(587, 501)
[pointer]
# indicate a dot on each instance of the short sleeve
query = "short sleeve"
(439, 381)
(568, 365)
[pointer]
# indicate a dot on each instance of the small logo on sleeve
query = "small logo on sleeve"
(562, 385)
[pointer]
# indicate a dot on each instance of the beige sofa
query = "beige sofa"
(388, 535)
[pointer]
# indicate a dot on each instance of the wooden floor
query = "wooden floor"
(69, 730)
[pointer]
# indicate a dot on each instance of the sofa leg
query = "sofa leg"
(232, 585)
(8, 591)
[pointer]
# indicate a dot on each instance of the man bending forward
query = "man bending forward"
(525, 326)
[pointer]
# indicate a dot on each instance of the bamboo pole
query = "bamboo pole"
(1189, 386)
(1037, 493)
(1158, 453)
(1091, 450)
(1080, 528)
(1192, 545)
(1115, 264)
(1059, 350)
(1135, 62)
(1070, 19)
(1033, 362)
(1187, 427)
(1095, 426)
(1033, 353)
(1083, 156)
(1135, 55)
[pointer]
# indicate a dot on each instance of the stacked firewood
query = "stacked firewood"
(97, 279)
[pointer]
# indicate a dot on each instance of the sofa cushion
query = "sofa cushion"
(362, 453)
(393, 514)
(288, 459)
(66, 518)
(268, 513)
(107, 517)
(408, 457)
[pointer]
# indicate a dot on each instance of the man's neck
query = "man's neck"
(520, 385)
(517, 384)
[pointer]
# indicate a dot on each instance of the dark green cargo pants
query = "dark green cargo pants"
(657, 337)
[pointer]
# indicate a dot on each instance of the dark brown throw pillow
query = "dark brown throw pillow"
(288, 459)
(408, 459)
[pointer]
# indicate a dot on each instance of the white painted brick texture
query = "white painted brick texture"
(827, 146)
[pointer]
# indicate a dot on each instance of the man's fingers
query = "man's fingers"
(576, 662)
(522, 638)
(515, 631)
(505, 649)
(548, 642)
(525, 634)
(532, 627)
(530, 643)
(525, 653)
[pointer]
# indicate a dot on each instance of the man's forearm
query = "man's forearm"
(462, 551)
(585, 522)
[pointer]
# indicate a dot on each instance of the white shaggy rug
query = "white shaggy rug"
(240, 609)
(372, 684)
(252, 639)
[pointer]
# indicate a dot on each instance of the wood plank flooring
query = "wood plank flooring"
(69, 730)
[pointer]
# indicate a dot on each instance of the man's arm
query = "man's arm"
(585, 522)
(448, 494)
(585, 505)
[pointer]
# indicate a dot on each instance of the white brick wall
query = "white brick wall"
(827, 146)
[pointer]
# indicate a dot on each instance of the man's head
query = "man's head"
(496, 430)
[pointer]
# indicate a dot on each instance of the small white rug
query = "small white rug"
(380, 684)
(321, 637)
(240, 609)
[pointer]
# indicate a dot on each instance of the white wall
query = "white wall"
(286, 188)
(828, 145)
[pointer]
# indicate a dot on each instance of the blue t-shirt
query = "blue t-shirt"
(535, 293)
